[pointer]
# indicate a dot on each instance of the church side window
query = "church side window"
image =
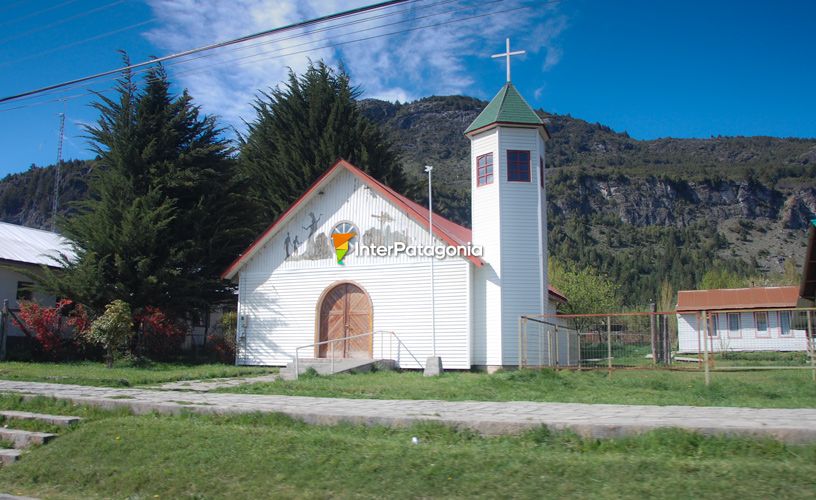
(484, 169)
(518, 166)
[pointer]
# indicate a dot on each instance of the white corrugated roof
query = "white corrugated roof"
(32, 246)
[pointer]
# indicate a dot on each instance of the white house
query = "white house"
(351, 256)
(742, 319)
(26, 249)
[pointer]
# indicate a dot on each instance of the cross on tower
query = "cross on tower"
(507, 55)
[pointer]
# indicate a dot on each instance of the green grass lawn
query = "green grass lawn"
(121, 375)
(118, 455)
(772, 389)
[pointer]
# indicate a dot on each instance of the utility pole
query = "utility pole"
(429, 169)
(433, 365)
(57, 173)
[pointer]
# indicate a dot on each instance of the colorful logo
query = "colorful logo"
(344, 237)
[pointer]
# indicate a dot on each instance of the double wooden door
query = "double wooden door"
(345, 312)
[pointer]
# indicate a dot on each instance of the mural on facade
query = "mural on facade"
(319, 246)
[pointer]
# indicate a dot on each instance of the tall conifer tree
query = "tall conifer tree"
(301, 129)
(164, 216)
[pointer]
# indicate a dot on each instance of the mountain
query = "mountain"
(637, 210)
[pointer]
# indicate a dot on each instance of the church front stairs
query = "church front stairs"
(324, 366)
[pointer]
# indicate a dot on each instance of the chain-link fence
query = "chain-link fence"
(721, 340)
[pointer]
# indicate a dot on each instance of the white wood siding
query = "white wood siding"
(278, 297)
(485, 207)
(279, 311)
(509, 220)
(747, 338)
(521, 270)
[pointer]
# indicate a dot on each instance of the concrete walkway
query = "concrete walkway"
(794, 426)
(211, 384)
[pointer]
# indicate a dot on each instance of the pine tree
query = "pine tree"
(164, 214)
(301, 129)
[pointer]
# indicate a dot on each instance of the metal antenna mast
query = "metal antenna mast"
(57, 173)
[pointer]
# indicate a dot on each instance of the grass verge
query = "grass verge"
(765, 389)
(118, 455)
(123, 374)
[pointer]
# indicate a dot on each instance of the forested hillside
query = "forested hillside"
(639, 211)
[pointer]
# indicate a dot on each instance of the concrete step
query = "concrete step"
(9, 456)
(324, 366)
(61, 420)
(24, 439)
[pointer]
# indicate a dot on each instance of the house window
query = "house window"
(734, 326)
(541, 171)
(714, 326)
(518, 166)
(24, 290)
(761, 322)
(784, 323)
(484, 169)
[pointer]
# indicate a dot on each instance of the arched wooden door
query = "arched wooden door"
(344, 312)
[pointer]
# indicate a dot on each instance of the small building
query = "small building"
(353, 256)
(742, 319)
(23, 250)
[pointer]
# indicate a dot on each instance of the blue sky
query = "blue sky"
(653, 69)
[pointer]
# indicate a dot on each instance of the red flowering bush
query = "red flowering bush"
(161, 335)
(53, 328)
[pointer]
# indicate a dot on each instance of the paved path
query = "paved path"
(794, 426)
(207, 385)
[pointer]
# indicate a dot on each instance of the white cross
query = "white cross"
(507, 55)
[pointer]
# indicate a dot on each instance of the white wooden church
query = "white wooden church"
(339, 262)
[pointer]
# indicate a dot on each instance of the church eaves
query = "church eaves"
(507, 107)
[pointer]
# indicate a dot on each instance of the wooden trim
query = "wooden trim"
(492, 170)
(319, 306)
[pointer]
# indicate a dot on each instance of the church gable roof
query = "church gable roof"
(507, 107)
(444, 229)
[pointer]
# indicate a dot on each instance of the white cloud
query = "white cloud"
(402, 66)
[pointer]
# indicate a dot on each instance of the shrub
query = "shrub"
(224, 343)
(52, 328)
(112, 330)
(161, 335)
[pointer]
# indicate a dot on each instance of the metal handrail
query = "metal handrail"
(369, 334)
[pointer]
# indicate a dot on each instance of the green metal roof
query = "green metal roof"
(507, 107)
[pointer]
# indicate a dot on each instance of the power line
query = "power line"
(79, 42)
(37, 13)
(62, 21)
(275, 40)
(245, 59)
(226, 43)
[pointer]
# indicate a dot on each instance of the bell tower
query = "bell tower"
(509, 221)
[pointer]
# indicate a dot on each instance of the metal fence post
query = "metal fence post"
(653, 333)
(609, 344)
(3, 329)
(549, 347)
(557, 352)
(811, 345)
(705, 348)
(540, 347)
(520, 323)
(332, 357)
